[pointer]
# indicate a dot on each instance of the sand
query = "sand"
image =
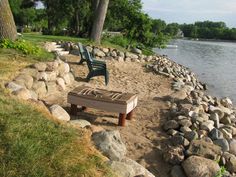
(143, 136)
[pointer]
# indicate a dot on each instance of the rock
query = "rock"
(223, 143)
(177, 171)
(61, 83)
(179, 140)
(40, 66)
(172, 132)
(75, 52)
(216, 119)
(232, 146)
(196, 166)
(217, 110)
(105, 50)
(22, 93)
(110, 144)
(63, 69)
(40, 89)
(131, 55)
(31, 71)
(231, 164)
(185, 129)
(226, 134)
(52, 66)
(192, 135)
(51, 76)
(204, 149)
(185, 123)
(208, 125)
(67, 79)
(43, 76)
(99, 53)
(95, 129)
(226, 102)
(25, 80)
(52, 88)
(80, 123)
(121, 54)
(122, 169)
(174, 155)
(34, 95)
(215, 134)
(59, 113)
(138, 169)
(171, 124)
(120, 59)
(137, 51)
(225, 120)
(12, 86)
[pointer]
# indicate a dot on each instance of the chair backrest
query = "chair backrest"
(89, 59)
(82, 51)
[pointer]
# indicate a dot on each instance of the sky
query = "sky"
(190, 11)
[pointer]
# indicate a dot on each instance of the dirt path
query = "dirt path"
(143, 136)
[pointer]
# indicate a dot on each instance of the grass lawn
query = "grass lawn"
(31, 143)
(39, 38)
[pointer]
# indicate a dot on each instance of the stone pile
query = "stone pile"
(182, 76)
(135, 55)
(202, 132)
(37, 82)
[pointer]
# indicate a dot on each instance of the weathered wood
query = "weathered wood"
(73, 109)
(102, 99)
(130, 115)
(7, 24)
(110, 101)
(122, 119)
(99, 19)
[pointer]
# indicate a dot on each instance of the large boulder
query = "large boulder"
(59, 113)
(80, 123)
(110, 144)
(52, 88)
(63, 69)
(171, 124)
(40, 89)
(131, 55)
(139, 170)
(136, 50)
(177, 171)
(196, 166)
(12, 86)
(31, 71)
(40, 66)
(22, 93)
(52, 66)
(61, 83)
(122, 169)
(99, 53)
(174, 155)
(204, 149)
(24, 80)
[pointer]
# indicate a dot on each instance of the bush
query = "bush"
(21, 45)
(118, 40)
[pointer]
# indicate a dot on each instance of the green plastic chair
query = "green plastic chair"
(96, 68)
(83, 57)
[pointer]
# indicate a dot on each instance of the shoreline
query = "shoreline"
(175, 115)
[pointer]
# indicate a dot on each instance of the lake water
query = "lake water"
(214, 63)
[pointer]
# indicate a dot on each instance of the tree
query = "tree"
(99, 19)
(7, 24)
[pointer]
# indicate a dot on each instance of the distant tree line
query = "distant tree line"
(75, 18)
(209, 30)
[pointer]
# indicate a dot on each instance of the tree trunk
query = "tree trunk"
(99, 19)
(7, 24)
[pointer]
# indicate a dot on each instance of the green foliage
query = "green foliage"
(221, 172)
(21, 45)
(209, 30)
(118, 40)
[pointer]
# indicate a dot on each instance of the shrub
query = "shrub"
(21, 45)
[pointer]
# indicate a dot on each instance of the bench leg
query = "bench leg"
(73, 109)
(122, 120)
(84, 108)
(130, 115)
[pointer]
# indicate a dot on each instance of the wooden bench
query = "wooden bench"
(111, 101)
